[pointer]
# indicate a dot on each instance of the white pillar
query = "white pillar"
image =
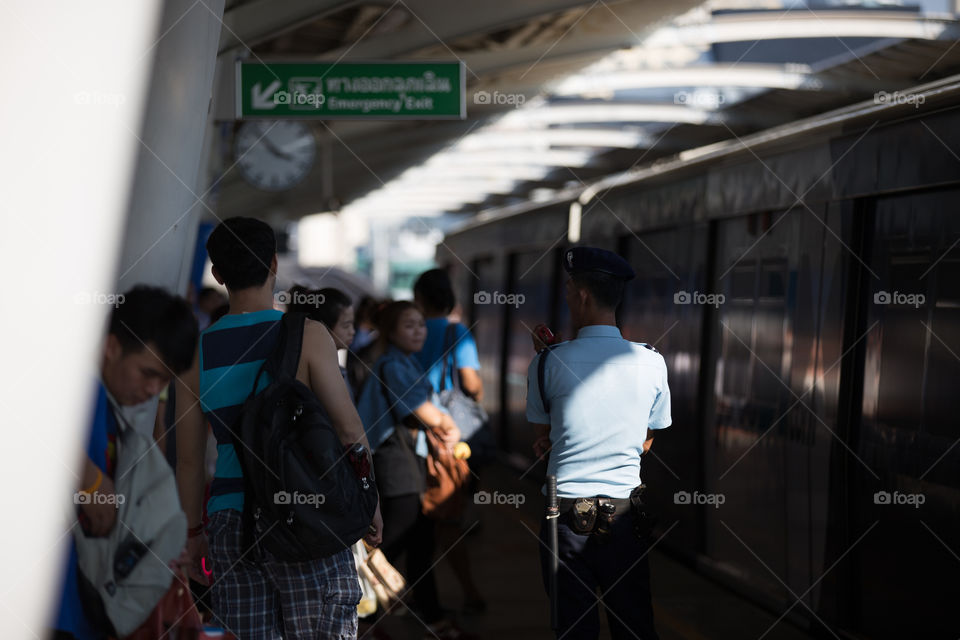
(75, 77)
(380, 252)
(170, 171)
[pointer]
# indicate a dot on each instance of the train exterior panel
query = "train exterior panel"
(803, 285)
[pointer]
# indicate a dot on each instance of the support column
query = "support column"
(76, 75)
(170, 174)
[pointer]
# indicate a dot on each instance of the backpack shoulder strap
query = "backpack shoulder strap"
(383, 388)
(542, 376)
(286, 356)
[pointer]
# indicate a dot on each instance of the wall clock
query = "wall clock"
(274, 155)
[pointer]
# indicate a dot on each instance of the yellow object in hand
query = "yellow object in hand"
(366, 606)
(461, 451)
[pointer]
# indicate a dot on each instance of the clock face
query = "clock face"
(274, 156)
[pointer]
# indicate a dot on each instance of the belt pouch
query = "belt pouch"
(583, 516)
(643, 519)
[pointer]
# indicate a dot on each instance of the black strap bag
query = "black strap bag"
(306, 496)
(542, 376)
(466, 412)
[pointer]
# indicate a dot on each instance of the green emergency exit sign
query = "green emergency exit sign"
(365, 90)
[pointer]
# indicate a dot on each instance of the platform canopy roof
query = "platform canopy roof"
(602, 86)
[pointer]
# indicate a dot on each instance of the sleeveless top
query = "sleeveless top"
(231, 353)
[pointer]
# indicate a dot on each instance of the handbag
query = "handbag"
(399, 470)
(447, 475)
(368, 596)
(465, 411)
(376, 572)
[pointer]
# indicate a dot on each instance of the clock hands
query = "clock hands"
(297, 144)
(272, 148)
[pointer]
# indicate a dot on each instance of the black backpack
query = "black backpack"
(305, 495)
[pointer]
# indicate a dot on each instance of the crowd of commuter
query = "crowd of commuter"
(255, 451)
(375, 367)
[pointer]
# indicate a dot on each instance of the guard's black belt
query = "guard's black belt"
(621, 504)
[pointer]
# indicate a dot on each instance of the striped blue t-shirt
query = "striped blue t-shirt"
(232, 350)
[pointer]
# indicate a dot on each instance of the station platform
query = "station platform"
(503, 549)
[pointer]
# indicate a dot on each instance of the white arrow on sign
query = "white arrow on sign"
(264, 99)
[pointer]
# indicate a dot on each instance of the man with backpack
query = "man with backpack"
(152, 337)
(258, 591)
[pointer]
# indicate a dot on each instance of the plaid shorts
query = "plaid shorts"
(269, 600)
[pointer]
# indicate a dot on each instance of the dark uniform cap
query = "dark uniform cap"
(583, 259)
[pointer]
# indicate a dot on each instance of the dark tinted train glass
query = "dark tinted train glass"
(943, 360)
(910, 426)
(761, 454)
(530, 282)
(669, 263)
(487, 323)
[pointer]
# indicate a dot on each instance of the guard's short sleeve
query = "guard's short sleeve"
(466, 349)
(407, 387)
(660, 411)
(535, 410)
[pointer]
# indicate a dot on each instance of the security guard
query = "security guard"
(602, 398)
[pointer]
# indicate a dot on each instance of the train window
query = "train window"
(943, 360)
(639, 289)
(905, 272)
(486, 322)
(663, 267)
(773, 279)
(769, 317)
(472, 284)
(904, 343)
(525, 304)
(661, 290)
(742, 281)
(736, 357)
(948, 284)
(943, 369)
(760, 223)
(917, 302)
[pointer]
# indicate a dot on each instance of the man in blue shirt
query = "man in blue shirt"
(434, 293)
(602, 398)
(151, 338)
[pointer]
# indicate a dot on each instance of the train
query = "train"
(803, 286)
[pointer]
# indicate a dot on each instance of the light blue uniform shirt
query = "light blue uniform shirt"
(605, 394)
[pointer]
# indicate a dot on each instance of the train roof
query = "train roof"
(805, 132)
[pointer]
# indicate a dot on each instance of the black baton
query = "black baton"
(553, 512)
